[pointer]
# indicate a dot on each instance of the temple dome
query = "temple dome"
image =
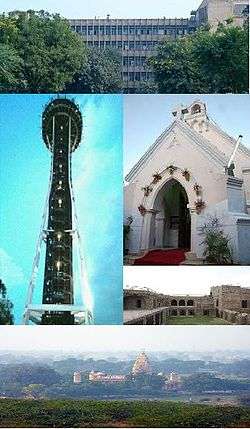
(141, 365)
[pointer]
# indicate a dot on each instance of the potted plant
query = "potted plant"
(171, 169)
(186, 174)
(199, 206)
(156, 178)
(142, 210)
(197, 189)
(217, 250)
(147, 190)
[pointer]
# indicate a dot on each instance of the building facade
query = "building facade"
(143, 306)
(137, 39)
(182, 184)
(213, 12)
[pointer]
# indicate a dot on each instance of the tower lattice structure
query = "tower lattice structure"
(62, 131)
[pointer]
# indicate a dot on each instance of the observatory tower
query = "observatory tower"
(61, 130)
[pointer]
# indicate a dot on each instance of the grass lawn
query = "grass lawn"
(196, 320)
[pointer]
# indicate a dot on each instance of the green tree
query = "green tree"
(205, 62)
(10, 68)
(50, 52)
(100, 74)
(6, 307)
(33, 391)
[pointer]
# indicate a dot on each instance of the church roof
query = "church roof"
(203, 144)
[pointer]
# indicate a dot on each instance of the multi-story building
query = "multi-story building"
(219, 11)
(137, 39)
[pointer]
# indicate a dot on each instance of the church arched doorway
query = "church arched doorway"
(171, 226)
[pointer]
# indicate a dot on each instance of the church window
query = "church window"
(174, 302)
(190, 302)
(241, 9)
(182, 303)
(182, 312)
(173, 312)
(244, 303)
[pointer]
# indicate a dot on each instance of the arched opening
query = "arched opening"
(182, 312)
(191, 312)
(171, 225)
(190, 303)
(174, 302)
(133, 303)
(173, 313)
(182, 303)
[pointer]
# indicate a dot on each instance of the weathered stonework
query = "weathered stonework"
(143, 306)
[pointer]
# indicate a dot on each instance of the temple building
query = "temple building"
(193, 177)
(141, 365)
(143, 306)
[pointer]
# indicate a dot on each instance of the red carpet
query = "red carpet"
(162, 257)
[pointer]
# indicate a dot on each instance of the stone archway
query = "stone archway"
(171, 223)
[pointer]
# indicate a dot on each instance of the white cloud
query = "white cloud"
(10, 273)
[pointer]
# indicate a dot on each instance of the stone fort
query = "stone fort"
(143, 306)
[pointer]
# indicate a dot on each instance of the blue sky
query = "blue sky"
(100, 8)
(97, 178)
(146, 116)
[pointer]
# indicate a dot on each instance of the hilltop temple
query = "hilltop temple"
(141, 365)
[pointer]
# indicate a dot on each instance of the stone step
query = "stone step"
(191, 259)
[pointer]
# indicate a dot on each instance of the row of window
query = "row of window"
(241, 9)
(134, 61)
(147, 45)
(137, 76)
(136, 30)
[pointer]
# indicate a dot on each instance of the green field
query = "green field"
(196, 320)
(64, 413)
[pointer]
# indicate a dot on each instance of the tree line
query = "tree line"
(39, 53)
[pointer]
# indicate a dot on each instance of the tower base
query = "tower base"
(53, 318)
(57, 314)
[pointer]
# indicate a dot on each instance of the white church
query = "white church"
(192, 174)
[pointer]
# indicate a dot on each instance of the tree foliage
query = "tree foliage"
(6, 307)
(217, 244)
(42, 48)
(101, 73)
(10, 68)
(205, 62)
(79, 413)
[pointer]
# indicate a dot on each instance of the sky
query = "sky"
(97, 182)
(185, 280)
(83, 339)
(147, 116)
(100, 8)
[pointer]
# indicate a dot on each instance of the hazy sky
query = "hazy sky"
(185, 280)
(100, 8)
(124, 338)
(97, 181)
(146, 117)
